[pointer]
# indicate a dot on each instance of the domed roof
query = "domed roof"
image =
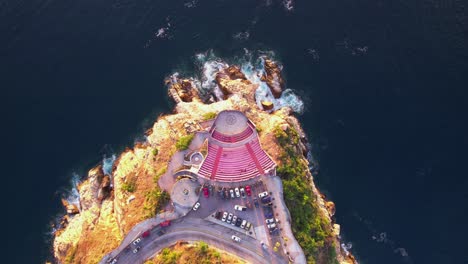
(230, 122)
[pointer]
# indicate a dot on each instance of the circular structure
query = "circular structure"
(196, 158)
(230, 122)
(183, 193)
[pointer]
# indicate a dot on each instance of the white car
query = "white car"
(239, 207)
(244, 222)
(247, 226)
(242, 191)
(136, 241)
(225, 214)
(196, 206)
(234, 219)
(229, 219)
(231, 191)
(263, 194)
(270, 221)
(136, 250)
(237, 192)
(270, 226)
(236, 238)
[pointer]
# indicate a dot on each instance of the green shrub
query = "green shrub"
(158, 174)
(184, 142)
(154, 201)
(209, 115)
(70, 258)
(155, 152)
(129, 185)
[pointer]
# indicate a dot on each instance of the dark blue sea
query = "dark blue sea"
(384, 85)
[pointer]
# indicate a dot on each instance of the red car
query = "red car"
(248, 190)
(206, 193)
(165, 223)
(145, 234)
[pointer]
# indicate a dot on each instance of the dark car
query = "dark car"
(266, 199)
(270, 204)
(218, 215)
(256, 202)
(226, 193)
(274, 231)
(238, 221)
(221, 194)
(268, 212)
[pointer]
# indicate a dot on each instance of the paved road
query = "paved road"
(191, 229)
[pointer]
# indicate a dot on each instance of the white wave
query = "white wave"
(72, 196)
(107, 164)
(243, 35)
(210, 65)
(288, 4)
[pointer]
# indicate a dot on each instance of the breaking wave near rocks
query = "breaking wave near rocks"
(259, 68)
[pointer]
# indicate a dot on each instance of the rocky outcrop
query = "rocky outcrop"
(273, 77)
(109, 208)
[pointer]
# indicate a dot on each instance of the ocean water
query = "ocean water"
(383, 85)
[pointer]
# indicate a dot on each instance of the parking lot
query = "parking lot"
(218, 201)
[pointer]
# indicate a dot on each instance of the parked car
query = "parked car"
(266, 199)
(263, 194)
(271, 226)
(165, 223)
(136, 241)
(226, 193)
(239, 207)
(274, 231)
(225, 214)
(244, 222)
(196, 206)
(237, 192)
(221, 194)
(136, 249)
(234, 219)
(270, 221)
(268, 212)
(236, 238)
(248, 226)
(206, 193)
(239, 221)
(264, 246)
(218, 215)
(113, 261)
(256, 202)
(229, 219)
(242, 191)
(231, 191)
(145, 234)
(248, 190)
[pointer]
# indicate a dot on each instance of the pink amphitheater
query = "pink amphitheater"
(234, 151)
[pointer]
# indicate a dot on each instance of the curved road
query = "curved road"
(190, 229)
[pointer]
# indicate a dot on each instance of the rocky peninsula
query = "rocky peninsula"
(136, 191)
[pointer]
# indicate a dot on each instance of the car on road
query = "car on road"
(229, 219)
(266, 199)
(136, 249)
(231, 191)
(136, 241)
(270, 221)
(256, 202)
(240, 207)
(236, 238)
(113, 261)
(248, 190)
(244, 222)
(237, 192)
(248, 226)
(196, 206)
(242, 191)
(264, 246)
(262, 194)
(206, 193)
(225, 214)
(271, 226)
(234, 219)
(239, 221)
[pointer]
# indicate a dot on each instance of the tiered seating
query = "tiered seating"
(233, 138)
(208, 164)
(237, 165)
(264, 160)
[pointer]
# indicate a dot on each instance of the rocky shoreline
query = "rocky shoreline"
(110, 205)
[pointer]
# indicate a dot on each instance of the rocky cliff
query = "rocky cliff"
(110, 205)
